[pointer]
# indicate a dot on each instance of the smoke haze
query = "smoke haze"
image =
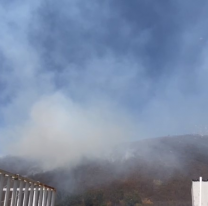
(77, 77)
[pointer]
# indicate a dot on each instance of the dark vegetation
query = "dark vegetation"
(148, 172)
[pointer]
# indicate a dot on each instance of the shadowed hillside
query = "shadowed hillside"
(147, 172)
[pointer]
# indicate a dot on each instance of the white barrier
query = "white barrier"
(199, 192)
(16, 190)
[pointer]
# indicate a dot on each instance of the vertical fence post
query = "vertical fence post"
(6, 199)
(31, 195)
(14, 192)
(25, 200)
(49, 198)
(20, 194)
(2, 178)
(200, 191)
(44, 196)
(35, 198)
(40, 197)
(53, 198)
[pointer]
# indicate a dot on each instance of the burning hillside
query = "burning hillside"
(152, 171)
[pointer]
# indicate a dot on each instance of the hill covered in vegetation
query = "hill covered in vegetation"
(147, 172)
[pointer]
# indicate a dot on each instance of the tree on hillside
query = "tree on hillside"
(132, 198)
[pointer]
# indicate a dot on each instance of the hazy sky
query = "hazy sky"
(77, 72)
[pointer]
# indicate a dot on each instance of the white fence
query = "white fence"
(199, 192)
(16, 190)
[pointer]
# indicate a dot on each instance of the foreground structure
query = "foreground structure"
(199, 192)
(16, 190)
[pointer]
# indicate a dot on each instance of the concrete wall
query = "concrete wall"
(200, 192)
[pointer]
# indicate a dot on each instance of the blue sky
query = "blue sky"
(139, 66)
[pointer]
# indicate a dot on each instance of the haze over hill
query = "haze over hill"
(159, 169)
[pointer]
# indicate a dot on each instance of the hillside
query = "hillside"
(147, 172)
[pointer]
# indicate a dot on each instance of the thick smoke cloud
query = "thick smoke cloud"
(60, 131)
(78, 77)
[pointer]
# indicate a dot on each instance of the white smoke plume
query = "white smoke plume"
(60, 132)
(77, 79)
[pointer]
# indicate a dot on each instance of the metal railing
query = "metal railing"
(16, 190)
